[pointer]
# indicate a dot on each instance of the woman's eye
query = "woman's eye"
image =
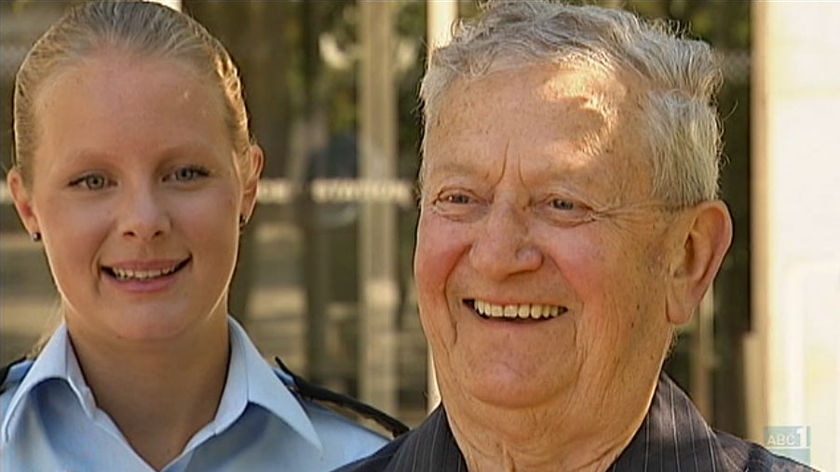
(186, 174)
(90, 182)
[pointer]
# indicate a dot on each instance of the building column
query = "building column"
(793, 355)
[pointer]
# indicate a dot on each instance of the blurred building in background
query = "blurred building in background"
(325, 275)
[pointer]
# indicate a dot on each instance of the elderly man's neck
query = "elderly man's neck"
(546, 438)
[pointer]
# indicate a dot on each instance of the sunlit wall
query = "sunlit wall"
(794, 357)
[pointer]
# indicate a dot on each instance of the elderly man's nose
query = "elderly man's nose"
(142, 216)
(503, 246)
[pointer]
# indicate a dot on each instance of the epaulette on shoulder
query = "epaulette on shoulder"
(4, 372)
(320, 394)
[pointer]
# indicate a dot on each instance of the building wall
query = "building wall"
(794, 356)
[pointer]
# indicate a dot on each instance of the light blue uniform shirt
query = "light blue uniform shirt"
(51, 422)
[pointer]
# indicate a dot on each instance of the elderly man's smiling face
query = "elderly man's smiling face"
(541, 258)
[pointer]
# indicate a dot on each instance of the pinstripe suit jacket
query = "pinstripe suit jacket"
(672, 437)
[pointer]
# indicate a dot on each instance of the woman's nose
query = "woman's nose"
(143, 216)
(503, 244)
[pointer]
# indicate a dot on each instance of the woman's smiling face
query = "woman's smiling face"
(137, 193)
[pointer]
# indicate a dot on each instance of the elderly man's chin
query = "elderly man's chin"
(547, 368)
(510, 380)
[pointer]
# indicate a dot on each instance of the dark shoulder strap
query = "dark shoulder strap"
(4, 372)
(313, 392)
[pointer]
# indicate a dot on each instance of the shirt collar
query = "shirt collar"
(56, 361)
(250, 380)
(672, 433)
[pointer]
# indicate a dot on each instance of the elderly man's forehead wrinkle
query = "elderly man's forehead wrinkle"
(578, 124)
(597, 107)
(602, 123)
(586, 137)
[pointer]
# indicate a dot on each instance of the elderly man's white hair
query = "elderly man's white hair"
(682, 76)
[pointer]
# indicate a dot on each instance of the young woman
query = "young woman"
(136, 171)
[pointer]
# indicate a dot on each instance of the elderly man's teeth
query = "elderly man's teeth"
(130, 274)
(523, 311)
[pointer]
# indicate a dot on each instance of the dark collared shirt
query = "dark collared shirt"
(672, 437)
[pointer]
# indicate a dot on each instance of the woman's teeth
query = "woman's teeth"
(525, 311)
(130, 274)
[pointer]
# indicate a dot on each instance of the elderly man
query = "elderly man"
(569, 223)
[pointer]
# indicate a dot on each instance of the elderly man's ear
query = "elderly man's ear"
(706, 233)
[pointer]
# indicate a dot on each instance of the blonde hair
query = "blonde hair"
(682, 75)
(145, 28)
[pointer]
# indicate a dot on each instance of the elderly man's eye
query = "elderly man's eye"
(457, 198)
(566, 212)
(567, 205)
(453, 198)
(457, 205)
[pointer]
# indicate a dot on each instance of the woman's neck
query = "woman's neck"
(158, 396)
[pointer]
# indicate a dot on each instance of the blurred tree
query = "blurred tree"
(255, 34)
